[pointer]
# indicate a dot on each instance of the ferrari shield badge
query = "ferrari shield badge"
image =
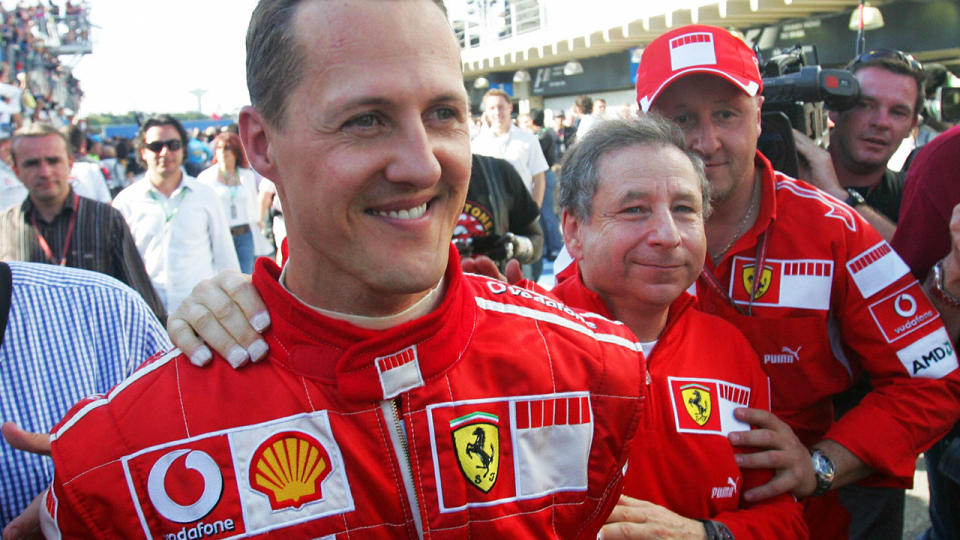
(749, 274)
(476, 439)
(697, 400)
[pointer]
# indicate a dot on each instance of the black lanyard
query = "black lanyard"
(761, 259)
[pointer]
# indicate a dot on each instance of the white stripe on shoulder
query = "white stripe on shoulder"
(156, 364)
(835, 208)
(553, 318)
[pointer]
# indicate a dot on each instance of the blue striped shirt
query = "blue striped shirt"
(71, 333)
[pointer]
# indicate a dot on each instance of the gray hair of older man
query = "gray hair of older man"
(579, 178)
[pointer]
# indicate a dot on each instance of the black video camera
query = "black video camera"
(797, 94)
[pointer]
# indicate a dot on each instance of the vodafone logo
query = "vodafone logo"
(198, 461)
(905, 305)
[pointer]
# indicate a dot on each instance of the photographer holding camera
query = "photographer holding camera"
(854, 168)
(500, 219)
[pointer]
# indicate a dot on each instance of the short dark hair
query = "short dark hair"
(897, 62)
(36, 130)
(274, 58)
(160, 120)
(579, 176)
(585, 104)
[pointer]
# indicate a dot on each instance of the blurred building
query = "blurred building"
(546, 52)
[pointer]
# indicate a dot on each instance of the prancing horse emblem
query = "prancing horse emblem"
(698, 402)
(476, 441)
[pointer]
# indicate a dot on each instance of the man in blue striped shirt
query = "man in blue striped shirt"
(70, 333)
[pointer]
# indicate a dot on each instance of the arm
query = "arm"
(819, 171)
(633, 519)
(950, 268)
(131, 269)
(539, 187)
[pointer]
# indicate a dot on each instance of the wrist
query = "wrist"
(715, 530)
(824, 471)
(945, 283)
(853, 198)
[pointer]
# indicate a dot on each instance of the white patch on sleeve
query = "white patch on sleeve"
(930, 357)
(876, 268)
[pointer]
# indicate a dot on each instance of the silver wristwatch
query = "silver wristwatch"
(825, 471)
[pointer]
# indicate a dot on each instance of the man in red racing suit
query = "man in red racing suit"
(501, 413)
(700, 370)
(835, 300)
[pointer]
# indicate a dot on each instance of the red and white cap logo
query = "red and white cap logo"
(694, 49)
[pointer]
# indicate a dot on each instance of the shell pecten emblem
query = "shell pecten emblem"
(289, 468)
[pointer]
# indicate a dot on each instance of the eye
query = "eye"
(367, 120)
(682, 119)
(445, 113)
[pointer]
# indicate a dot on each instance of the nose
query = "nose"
(663, 229)
(702, 139)
(414, 159)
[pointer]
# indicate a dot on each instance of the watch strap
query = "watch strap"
(854, 198)
(716, 530)
(938, 289)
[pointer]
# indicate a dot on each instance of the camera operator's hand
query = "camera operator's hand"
(518, 247)
(816, 166)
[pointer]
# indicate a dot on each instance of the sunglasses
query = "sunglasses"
(157, 146)
(889, 54)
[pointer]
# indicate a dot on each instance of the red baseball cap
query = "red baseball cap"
(696, 48)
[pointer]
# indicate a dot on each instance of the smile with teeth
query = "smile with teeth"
(410, 213)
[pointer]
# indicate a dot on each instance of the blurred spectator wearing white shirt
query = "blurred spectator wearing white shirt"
(178, 224)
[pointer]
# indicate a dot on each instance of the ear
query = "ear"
(571, 234)
(255, 135)
(759, 99)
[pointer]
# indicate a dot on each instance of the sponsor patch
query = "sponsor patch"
(240, 481)
(399, 372)
(876, 269)
(693, 49)
(930, 357)
(489, 452)
(795, 283)
(706, 405)
(903, 312)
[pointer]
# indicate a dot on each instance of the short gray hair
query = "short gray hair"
(578, 175)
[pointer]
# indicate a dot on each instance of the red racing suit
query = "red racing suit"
(701, 369)
(834, 300)
(502, 413)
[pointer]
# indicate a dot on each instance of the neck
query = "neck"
(853, 175)
(165, 184)
(500, 129)
(646, 322)
(733, 216)
(347, 299)
(49, 209)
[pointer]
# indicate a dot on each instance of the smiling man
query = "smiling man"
(865, 137)
(817, 291)
(401, 397)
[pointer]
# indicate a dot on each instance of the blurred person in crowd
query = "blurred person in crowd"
(865, 137)
(928, 239)
(805, 278)
(86, 178)
(178, 224)
(235, 183)
(597, 109)
(12, 190)
(500, 217)
(55, 225)
(271, 215)
(401, 387)
(199, 154)
(549, 222)
(854, 169)
(53, 353)
(506, 141)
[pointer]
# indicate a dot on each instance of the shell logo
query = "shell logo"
(289, 468)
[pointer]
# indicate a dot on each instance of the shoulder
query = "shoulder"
(207, 176)
(798, 200)
(518, 304)
(71, 281)
(131, 193)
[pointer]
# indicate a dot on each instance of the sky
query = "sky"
(148, 56)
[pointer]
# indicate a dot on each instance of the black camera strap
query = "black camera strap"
(6, 292)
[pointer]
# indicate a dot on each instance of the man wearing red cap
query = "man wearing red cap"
(817, 291)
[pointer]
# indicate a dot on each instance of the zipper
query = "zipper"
(391, 411)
